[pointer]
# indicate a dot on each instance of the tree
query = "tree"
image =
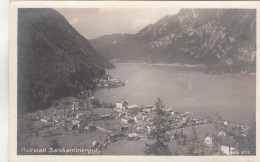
(85, 101)
(252, 139)
(159, 125)
(247, 145)
(55, 144)
(196, 138)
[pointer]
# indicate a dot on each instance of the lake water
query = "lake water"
(186, 88)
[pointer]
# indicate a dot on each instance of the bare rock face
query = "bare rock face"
(222, 39)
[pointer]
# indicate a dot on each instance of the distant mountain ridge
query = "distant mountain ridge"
(222, 39)
(54, 60)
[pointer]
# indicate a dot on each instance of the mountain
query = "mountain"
(54, 60)
(104, 43)
(222, 39)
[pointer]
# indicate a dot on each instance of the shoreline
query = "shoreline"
(163, 64)
(200, 66)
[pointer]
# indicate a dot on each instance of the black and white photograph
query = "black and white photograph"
(136, 81)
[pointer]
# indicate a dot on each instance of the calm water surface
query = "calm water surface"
(186, 89)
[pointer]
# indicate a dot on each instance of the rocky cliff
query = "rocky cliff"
(222, 39)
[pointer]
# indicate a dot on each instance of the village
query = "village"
(107, 81)
(109, 123)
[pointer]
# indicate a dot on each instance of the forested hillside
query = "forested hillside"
(54, 60)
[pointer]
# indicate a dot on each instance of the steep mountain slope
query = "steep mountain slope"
(108, 43)
(54, 60)
(223, 39)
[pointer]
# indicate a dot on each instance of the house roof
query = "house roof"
(132, 106)
(106, 115)
(122, 101)
(168, 109)
(208, 138)
(132, 135)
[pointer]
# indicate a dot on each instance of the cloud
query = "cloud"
(74, 21)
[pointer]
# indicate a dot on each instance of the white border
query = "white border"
(113, 4)
(4, 79)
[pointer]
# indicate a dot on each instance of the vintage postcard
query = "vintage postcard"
(133, 81)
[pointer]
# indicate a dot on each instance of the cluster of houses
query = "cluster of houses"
(229, 147)
(70, 118)
(109, 82)
(137, 121)
(140, 117)
(226, 150)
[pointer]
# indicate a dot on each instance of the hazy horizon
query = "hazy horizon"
(95, 22)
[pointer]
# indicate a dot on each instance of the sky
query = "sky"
(94, 22)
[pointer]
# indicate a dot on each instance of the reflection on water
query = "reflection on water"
(186, 89)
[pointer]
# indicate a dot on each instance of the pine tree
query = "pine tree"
(159, 125)
(55, 144)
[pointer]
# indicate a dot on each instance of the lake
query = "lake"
(186, 88)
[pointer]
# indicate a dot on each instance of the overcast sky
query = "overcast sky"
(93, 23)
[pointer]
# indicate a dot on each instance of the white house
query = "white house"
(132, 107)
(135, 119)
(226, 122)
(198, 122)
(75, 122)
(139, 128)
(147, 109)
(183, 119)
(132, 135)
(94, 143)
(75, 106)
(44, 120)
(106, 116)
(226, 150)
(121, 104)
(149, 129)
(124, 121)
(221, 133)
(144, 117)
(205, 121)
(208, 140)
(169, 109)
